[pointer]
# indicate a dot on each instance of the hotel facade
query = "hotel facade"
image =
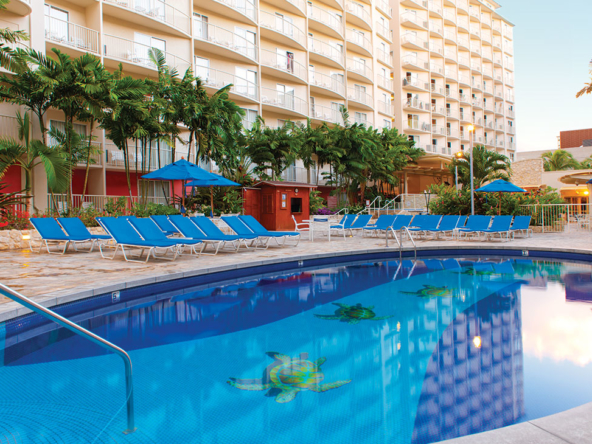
(428, 68)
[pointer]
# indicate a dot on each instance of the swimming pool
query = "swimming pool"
(385, 351)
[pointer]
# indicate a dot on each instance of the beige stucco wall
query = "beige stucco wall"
(528, 173)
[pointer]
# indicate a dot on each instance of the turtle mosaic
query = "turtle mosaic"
(353, 314)
(287, 376)
(473, 272)
(429, 291)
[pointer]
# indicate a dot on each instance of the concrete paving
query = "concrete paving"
(54, 279)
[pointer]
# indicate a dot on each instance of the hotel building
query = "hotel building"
(429, 68)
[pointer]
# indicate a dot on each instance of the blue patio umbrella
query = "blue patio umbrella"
(180, 170)
(217, 181)
(500, 186)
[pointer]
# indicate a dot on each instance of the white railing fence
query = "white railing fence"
(59, 202)
(559, 218)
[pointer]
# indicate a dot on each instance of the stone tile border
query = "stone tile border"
(572, 426)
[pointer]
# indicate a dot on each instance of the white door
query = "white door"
(56, 23)
(202, 69)
(285, 96)
(200, 28)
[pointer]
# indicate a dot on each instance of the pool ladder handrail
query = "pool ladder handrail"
(66, 323)
(400, 242)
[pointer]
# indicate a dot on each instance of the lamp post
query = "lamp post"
(471, 131)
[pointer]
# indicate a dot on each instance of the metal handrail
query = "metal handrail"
(66, 323)
(400, 242)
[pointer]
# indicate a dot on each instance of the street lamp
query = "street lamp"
(459, 155)
(471, 131)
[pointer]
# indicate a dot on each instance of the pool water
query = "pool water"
(409, 352)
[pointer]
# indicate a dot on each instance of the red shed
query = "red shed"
(282, 200)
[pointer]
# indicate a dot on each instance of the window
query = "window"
(202, 69)
(61, 127)
(284, 24)
(296, 205)
(156, 191)
(245, 41)
(285, 60)
(361, 118)
(246, 82)
(249, 118)
(285, 96)
(56, 23)
(143, 44)
(311, 74)
(200, 29)
(386, 123)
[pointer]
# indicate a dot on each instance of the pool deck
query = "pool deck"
(54, 279)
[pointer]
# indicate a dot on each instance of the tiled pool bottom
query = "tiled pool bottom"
(403, 366)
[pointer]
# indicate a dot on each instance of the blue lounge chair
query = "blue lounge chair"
(475, 225)
(165, 225)
(74, 227)
(424, 224)
(447, 225)
(149, 231)
(51, 232)
(241, 229)
(383, 223)
(127, 238)
(260, 230)
(360, 223)
(212, 231)
(345, 222)
(522, 225)
(462, 220)
(187, 228)
(500, 225)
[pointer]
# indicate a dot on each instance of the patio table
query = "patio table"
(319, 225)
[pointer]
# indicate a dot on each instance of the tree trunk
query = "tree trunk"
(127, 169)
(92, 124)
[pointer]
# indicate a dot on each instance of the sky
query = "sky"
(552, 52)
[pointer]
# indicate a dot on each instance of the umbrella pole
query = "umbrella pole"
(183, 197)
(212, 201)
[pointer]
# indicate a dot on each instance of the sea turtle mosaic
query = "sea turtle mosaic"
(353, 314)
(287, 376)
(429, 291)
(473, 272)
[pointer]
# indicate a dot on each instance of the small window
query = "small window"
(296, 205)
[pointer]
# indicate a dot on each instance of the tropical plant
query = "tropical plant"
(559, 160)
(8, 201)
(316, 202)
(487, 166)
(27, 154)
(587, 89)
(10, 59)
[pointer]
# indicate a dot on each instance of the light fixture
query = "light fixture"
(296, 190)
(477, 341)
(471, 128)
(26, 237)
(586, 192)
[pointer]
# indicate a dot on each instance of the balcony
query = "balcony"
(478, 121)
(421, 4)
(19, 7)
(449, 17)
(358, 70)
(464, 136)
(500, 144)
(497, 44)
(326, 114)
(281, 30)
(412, 61)
(476, 67)
(385, 107)
(452, 133)
(464, 62)
(325, 53)
(414, 84)
(511, 130)
(435, 9)
(500, 127)
(361, 98)
(496, 28)
(71, 35)
(283, 67)
(487, 56)
(383, 31)
(487, 72)
(436, 49)
(475, 49)
(436, 30)
(497, 62)
(476, 103)
(286, 103)
(463, 6)
(412, 41)
(384, 7)
(363, 119)
(510, 114)
(297, 7)
(451, 114)
(384, 57)
(385, 83)
(451, 95)
(465, 117)
(136, 55)
(358, 42)
(464, 99)
(450, 55)
(417, 127)
(498, 93)
(414, 21)
(462, 23)
(416, 105)
(226, 43)
(436, 70)
(474, 14)
(336, 4)
(155, 14)
(488, 90)
(438, 90)
(486, 39)
(511, 145)
(327, 85)
(510, 66)
(450, 37)
(241, 88)
(489, 142)
(324, 21)
(358, 15)
(300, 175)
(438, 130)
(489, 125)
(97, 159)
(439, 110)
(451, 74)
(463, 43)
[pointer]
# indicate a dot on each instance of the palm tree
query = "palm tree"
(559, 160)
(9, 200)
(314, 141)
(11, 59)
(28, 153)
(487, 166)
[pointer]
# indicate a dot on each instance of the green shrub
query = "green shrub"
(316, 201)
(152, 209)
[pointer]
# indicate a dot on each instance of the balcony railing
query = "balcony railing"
(326, 114)
(158, 10)
(437, 89)
(408, 17)
(451, 94)
(450, 15)
(95, 159)
(451, 113)
(511, 114)
(139, 54)
(410, 81)
(115, 158)
(438, 110)
(464, 116)
(450, 73)
(300, 175)
(419, 3)
(359, 68)
(416, 104)
(325, 49)
(245, 7)
(464, 135)
(332, 83)
(414, 40)
(435, 68)
(363, 119)
(450, 35)
(511, 130)
(71, 34)
(360, 96)
(451, 132)
(463, 5)
(383, 31)
(385, 107)
(384, 7)
(436, 27)
(384, 57)
(450, 54)
(438, 130)
(385, 82)
(359, 11)
(284, 100)
(437, 48)
(464, 42)
(418, 126)
(351, 35)
(325, 17)
(282, 26)
(214, 78)
(464, 98)
(283, 63)
(9, 127)
(500, 143)
(227, 39)
(414, 60)
(433, 7)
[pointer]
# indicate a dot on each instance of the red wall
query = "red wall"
(274, 216)
(12, 178)
(252, 202)
(116, 183)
